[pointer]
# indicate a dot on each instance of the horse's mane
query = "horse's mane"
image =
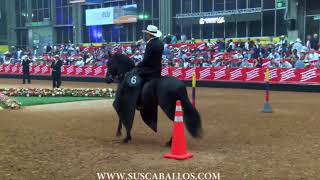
(123, 60)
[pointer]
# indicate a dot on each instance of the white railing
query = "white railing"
(219, 13)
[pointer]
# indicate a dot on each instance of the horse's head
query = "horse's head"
(117, 66)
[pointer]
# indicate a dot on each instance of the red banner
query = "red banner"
(81, 71)
(296, 76)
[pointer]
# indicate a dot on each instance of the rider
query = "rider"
(150, 67)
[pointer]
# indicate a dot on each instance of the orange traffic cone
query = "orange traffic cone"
(179, 146)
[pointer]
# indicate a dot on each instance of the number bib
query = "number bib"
(133, 80)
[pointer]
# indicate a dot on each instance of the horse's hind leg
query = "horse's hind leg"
(168, 106)
(118, 134)
(128, 138)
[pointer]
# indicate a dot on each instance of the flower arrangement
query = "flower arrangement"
(58, 92)
(9, 102)
(6, 93)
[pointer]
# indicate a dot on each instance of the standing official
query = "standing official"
(26, 69)
(56, 72)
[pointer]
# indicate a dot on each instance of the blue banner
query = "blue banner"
(94, 1)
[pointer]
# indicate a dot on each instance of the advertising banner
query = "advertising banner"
(112, 15)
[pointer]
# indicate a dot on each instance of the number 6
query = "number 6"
(134, 80)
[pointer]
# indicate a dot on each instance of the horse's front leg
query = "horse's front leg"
(118, 134)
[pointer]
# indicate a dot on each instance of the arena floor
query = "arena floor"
(77, 140)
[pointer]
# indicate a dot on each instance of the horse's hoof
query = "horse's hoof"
(126, 140)
(168, 144)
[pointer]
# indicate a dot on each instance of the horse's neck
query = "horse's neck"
(130, 68)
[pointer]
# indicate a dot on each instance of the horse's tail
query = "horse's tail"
(191, 116)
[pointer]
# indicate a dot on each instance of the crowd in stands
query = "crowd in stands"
(206, 53)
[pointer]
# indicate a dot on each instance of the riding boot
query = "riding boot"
(139, 105)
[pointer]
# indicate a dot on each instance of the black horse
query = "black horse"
(164, 91)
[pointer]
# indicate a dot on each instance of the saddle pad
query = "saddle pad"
(133, 80)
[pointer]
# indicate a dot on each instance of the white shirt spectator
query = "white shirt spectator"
(314, 56)
(238, 56)
(298, 46)
(258, 44)
(7, 61)
(19, 53)
(308, 44)
(232, 45)
(285, 64)
(247, 46)
(186, 64)
(184, 56)
(183, 38)
(205, 64)
(79, 63)
(274, 55)
(283, 41)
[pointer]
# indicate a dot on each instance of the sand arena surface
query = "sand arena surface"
(77, 140)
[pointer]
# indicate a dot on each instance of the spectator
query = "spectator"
(217, 62)
(297, 46)
(304, 58)
(183, 38)
(299, 64)
(247, 44)
(258, 63)
(231, 46)
(283, 54)
(221, 46)
(2, 56)
(258, 44)
(48, 48)
(273, 64)
(274, 55)
(283, 41)
(26, 69)
(318, 63)
(7, 60)
(199, 54)
(36, 51)
(285, 64)
(167, 39)
(19, 53)
(166, 50)
(174, 39)
(79, 62)
(186, 64)
(238, 55)
(244, 63)
(193, 41)
(255, 52)
(294, 56)
(308, 43)
(314, 42)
